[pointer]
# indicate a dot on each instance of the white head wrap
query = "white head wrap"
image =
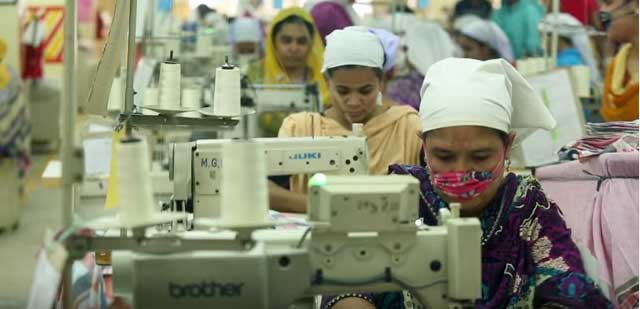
(464, 20)
(353, 45)
(492, 94)
(569, 27)
(427, 43)
(245, 29)
(489, 33)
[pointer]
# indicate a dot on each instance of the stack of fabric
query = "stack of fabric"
(619, 136)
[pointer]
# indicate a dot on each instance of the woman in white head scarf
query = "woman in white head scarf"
(425, 43)
(353, 66)
(484, 40)
(574, 47)
(472, 112)
(246, 38)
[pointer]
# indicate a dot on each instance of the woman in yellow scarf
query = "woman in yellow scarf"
(620, 97)
(293, 55)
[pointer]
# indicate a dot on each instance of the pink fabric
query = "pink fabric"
(605, 219)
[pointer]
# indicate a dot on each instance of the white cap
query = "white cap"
(245, 29)
(492, 94)
(489, 33)
(353, 45)
(427, 43)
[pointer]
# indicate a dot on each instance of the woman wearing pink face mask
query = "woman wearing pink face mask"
(472, 113)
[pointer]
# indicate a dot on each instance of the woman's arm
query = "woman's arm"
(283, 200)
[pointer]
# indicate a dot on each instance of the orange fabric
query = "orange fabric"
(392, 137)
(620, 100)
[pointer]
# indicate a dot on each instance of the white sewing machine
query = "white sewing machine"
(272, 102)
(195, 168)
(362, 239)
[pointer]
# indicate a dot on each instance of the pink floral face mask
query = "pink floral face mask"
(461, 185)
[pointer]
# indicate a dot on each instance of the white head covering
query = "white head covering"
(427, 43)
(464, 20)
(492, 94)
(489, 33)
(568, 26)
(353, 45)
(245, 29)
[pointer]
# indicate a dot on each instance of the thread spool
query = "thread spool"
(244, 167)
(169, 85)
(191, 100)
(204, 44)
(135, 193)
(116, 96)
(150, 99)
(226, 98)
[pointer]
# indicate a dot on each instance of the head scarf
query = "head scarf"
(273, 72)
(330, 16)
(427, 43)
(353, 46)
(244, 29)
(571, 28)
(390, 45)
(5, 76)
(490, 34)
(492, 94)
(462, 21)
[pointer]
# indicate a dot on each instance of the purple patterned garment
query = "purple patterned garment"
(406, 89)
(529, 262)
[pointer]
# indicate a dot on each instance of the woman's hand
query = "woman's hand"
(283, 200)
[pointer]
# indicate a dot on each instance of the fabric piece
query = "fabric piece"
(620, 97)
(273, 73)
(353, 46)
(467, 92)
(530, 262)
(427, 43)
(397, 128)
(244, 29)
(569, 27)
(490, 34)
(601, 209)
(406, 89)
(330, 16)
(520, 22)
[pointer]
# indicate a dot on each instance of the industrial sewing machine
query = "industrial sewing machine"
(362, 238)
(272, 103)
(196, 167)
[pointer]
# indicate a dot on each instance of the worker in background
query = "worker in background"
(353, 66)
(480, 8)
(574, 46)
(346, 4)
(484, 40)
(246, 39)
(330, 16)
(471, 112)
(293, 52)
(425, 43)
(293, 55)
(519, 19)
(620, 97)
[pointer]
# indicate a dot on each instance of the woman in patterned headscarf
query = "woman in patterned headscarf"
(472, 112)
